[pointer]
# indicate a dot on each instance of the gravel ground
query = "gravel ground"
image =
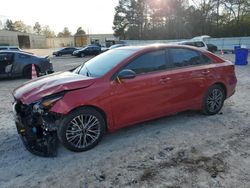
(184, 150)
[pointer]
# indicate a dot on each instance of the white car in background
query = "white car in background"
(196, 43)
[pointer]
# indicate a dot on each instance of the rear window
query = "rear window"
(182, 57)
(206, 59)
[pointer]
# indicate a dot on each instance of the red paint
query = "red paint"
(135, 100)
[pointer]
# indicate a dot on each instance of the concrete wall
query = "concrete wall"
(102, 38)
(11, 38)
(60, 42)
(222, 43)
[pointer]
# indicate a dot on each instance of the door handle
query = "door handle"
(164, 79)
(205, 72)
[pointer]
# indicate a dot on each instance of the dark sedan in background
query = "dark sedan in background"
(17, 63)
(65, 51)
(212, 48)
(89, 50)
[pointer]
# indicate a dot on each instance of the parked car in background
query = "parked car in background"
(114, 46)
(65, 51)
(196, 43)
(119, 88)
(88, 50)
(212, 48)
(17, 63)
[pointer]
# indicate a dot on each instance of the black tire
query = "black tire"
(27, 71)
(213, 100)
(82, 55)
(59, 54)
(68, 129)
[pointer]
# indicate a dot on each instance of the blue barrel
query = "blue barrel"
(241, 55)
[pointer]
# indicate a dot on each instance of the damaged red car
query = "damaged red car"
(118, 88)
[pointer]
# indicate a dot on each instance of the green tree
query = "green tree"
(37, 28)
(170, 19)
(20, 26)
(80, 31)
(47, 32)
(9, 25)
(64, 33)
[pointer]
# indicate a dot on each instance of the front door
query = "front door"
(145, 96)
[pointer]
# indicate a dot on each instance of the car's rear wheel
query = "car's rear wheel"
(82, 129)
(214, 100)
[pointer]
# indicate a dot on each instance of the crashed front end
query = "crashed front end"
(37, 126)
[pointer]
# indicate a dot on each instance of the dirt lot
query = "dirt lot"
(185, 150)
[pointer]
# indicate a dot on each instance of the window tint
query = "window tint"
(206, 59)
(149, 62)
(185, 57)
(14, 49)
(189, 44)
(6, 57)
(3, 48)
(199, 44)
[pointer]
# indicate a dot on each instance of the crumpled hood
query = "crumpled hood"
(44, 86)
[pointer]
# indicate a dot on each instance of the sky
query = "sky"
(94, 16)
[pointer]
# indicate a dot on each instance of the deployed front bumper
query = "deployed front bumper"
(37, 132)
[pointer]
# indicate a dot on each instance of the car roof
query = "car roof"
(156, 46)
(14, 51)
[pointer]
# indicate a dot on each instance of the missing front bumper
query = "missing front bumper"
(38, 136)
(44, 145)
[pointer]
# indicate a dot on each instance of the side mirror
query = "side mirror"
(126, 74)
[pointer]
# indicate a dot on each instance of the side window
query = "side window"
(199, 44)
(149, 62)
(190, 44)
(6, 57)
(182, 57)
(206, 60)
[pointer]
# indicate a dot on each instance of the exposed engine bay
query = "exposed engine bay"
(37, 128)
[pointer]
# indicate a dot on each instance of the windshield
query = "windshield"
(103, 63)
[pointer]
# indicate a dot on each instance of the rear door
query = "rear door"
(145, 96)
(189, 72)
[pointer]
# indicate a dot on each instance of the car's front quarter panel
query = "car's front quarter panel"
(96, 95)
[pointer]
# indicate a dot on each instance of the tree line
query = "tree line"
(38, 29)
(175, 19)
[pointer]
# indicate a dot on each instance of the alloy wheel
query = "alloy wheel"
(83, 130)
(215, 100)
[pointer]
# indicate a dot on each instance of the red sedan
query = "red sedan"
(118, 88)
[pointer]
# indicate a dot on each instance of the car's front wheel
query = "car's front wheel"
(82, 55)
(82, 129)
(214, 100)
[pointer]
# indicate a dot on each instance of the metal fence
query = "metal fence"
(221, 43)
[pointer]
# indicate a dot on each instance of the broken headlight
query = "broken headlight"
(47, 102)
